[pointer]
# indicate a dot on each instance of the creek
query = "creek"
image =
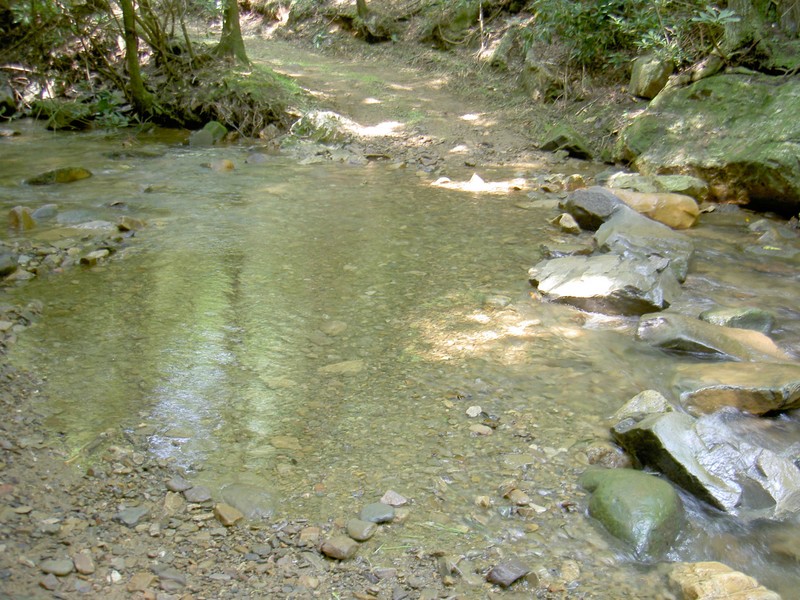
(320, 330)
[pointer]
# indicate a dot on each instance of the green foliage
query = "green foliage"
(607, 33)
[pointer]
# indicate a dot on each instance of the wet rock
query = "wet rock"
(83, 563)
(49, 582)
(8, 101)
(687, 335)
(253, 501)
(608, 283)
(360, 530)
(644, 403)
(8, 263)
(716, 581)
(566, 223)
(377, 512)
(221, 166)
(507, 572)
(131, 516)
(227, 514)
(333, 328)
(140, 582)
(347, 367)
(197, 494)
(127, 223)
(673, 210)
(95, 256)
(638, 508)
(756, 388)
(63, 175)
(45, 212)
(591, 207)
(392, 498)
(649, 76)
(741, 318)
(211, 133)
(339, 547)
(57, 566)
(176, 483)
(21, 218)
(631, 235)
(710, 458)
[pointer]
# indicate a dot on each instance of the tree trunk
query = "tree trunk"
(141, 99)
(231, 43)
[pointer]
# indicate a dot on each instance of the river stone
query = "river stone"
(392, 498)
(211, 133)
(673, 210)
(642, 404)
(607, 284)
(176, 483)
(360, 530)
(507, 572)
(756, 388)
(8, 263)
(377, 512)
(669, 443)
(741, 318)
(675, 332)
(340, 547)
(638, 508)
(716, 581)
(45, 212)
(227, 514)
(629, 234)
(347, 367)
(84, 563)
(21, 218)
(63, 175)
(57, 566)
(730, 138)
(253, 501)
(649, 75)
(566, 223)
(131, 515)
(591, 207)
(197, 494)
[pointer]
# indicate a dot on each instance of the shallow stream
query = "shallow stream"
(321, 330)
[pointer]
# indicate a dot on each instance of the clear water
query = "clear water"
(216, 330)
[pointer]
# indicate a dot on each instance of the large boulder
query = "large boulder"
(739, 132)
(678, 333)
(62, 175)
(712, 458)
(687, 185)
(756, 388)
(607, 283)
(634, 236)
(638, 508)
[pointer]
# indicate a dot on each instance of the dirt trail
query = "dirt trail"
(469, 120)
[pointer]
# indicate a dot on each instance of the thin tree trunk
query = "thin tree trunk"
(231, 43)
(142, 99)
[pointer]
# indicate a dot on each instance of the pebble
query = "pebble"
(57, 566)
(178, 484)
(480, 429)
(507, 572)
(130, 516)
(340, 547)
(474, 411)
(83, 563)
(377, 512)
(360, 530)
(392, 498)
(49, 582)
(197, 494)
(227, 514)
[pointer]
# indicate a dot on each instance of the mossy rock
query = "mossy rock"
(640, 509)
(739, 132)
(63, 175)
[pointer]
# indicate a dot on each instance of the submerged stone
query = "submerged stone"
(675, 332)
(253, 501)
(63, 175)
(638, 508)
(716, 581)
(507, 572)
(741, 318)
(377, 512)
(21, 218)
